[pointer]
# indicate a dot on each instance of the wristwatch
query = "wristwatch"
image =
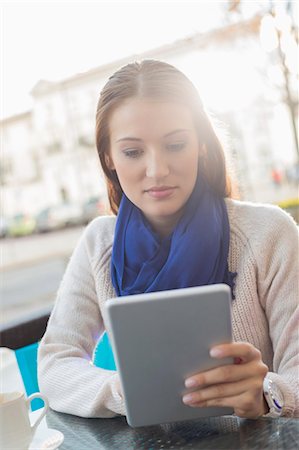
(273, 397)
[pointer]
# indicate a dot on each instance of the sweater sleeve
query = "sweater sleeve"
(278, 291)
(66, 374)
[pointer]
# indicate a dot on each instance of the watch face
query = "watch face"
(276, 395)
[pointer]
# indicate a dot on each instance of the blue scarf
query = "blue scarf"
(195, 253)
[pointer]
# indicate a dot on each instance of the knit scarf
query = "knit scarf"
(194, 254)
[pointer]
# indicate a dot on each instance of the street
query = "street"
(31, 270)
(25, 289)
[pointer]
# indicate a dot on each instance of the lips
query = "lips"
(160, 191)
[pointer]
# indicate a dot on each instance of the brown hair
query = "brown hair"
(157, 79)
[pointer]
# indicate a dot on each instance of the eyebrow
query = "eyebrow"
(129, 138)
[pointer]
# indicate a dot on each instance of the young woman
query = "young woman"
(175, 226)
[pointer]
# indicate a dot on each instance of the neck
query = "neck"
(164, 226)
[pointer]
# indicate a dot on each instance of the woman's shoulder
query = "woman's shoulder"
(98, 234)
(259, 220)
(101, 224)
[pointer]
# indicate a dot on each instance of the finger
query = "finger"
(223, 391)
(227, 374)
(243, 350)
(229, 402)
(243, 405)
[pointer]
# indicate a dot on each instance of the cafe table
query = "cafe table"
(216, 433)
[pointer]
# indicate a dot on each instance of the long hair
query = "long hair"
(158, 80)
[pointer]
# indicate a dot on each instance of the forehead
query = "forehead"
(147, 118)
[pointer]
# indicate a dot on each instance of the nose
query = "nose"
(157, 166)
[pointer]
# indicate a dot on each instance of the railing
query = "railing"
(25, 331)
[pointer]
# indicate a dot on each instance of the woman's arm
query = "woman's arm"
(240, 385)
(65, 371)
(278, 291)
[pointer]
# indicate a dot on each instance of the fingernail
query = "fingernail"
(190, 382)
(188, 398)
(215, 352)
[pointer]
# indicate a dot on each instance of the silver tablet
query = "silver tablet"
(161, 338)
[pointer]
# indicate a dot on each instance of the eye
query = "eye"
(176, 146)
(132, 152)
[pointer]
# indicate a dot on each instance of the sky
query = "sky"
(53, 40)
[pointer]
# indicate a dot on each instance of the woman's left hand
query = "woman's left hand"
(238, 385)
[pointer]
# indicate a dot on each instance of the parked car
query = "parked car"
(57, 217)
(292, 207)
(3, 227)
(21, 225)
(94, 207)
(45, 222)
(67, 214)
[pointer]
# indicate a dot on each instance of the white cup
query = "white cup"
(16, 430)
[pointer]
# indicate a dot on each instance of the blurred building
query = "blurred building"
(20, 172)
(49, 155)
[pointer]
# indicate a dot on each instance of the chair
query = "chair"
(103, 355)
(23, 337)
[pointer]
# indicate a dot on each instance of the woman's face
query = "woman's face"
(154, 149)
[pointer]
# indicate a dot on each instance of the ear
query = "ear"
(109, 162)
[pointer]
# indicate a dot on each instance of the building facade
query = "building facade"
(49, 155)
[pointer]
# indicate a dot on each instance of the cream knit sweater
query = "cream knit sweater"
(264, 253)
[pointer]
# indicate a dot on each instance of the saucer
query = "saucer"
(46, 439)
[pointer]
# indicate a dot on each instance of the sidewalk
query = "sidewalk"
(31, 249)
